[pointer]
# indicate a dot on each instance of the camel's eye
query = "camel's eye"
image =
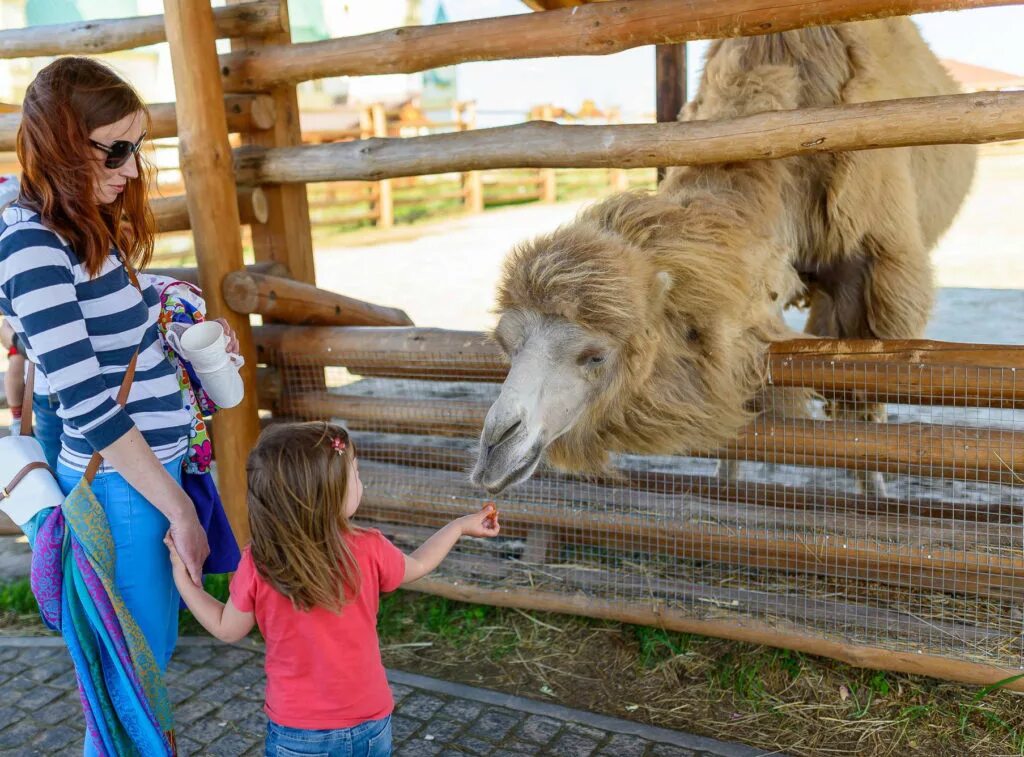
(591, 358)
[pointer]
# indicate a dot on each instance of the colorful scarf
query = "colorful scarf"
(127, 709)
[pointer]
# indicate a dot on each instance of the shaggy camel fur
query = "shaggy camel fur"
(643, 325)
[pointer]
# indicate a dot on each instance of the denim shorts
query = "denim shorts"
(369, 739)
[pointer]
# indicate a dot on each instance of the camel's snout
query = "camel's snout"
(506, 455)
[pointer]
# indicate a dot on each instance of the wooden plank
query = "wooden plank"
(285, 237)
(107, 36)
(670, 86)
(703, 601)
(422, 497)
(288, 301)
(713, 488)
(651, 612)
(216, 227)
(946, 119)
(244, 112)
(598, 29)
(191, 275)
(909, 449)
(914, 371)
(171, 213)
(385, 203)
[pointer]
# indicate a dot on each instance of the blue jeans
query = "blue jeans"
(142, 570)
(47, 426)
(369, 739)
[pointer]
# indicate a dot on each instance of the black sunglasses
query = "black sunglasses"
(118, 152)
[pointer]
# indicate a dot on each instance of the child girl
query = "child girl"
(311, 581)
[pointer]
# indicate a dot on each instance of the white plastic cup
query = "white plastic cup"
(224, 385)
(204, 345)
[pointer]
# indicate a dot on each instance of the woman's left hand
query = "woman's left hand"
(233, 346)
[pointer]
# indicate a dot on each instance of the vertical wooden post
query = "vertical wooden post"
(285, 237)
(670, 67)
(216, 228)
(617, 177)
(472, 181)
(548, 178)
(385, 198)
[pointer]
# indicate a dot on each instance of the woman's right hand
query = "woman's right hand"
(189, 539)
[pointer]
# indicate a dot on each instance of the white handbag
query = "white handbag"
(27, 484)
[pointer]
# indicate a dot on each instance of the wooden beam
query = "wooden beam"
(244, 112)
(107, 36)
(670, 86)
(213, 208)
(598, 29)
(171, 213)
(404, 495)
(776, 633)
(909, 449)
(191, 275)
(914, 371)
(286, 237)
(712, 488)
(947, 119)
(288, 301)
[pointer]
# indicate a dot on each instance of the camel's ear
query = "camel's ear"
(662, 285)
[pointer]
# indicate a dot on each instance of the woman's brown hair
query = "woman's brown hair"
(64, 103)
(298, 474)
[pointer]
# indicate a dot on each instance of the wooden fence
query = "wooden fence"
(259, 178)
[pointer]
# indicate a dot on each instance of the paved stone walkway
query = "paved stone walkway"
(218, 696)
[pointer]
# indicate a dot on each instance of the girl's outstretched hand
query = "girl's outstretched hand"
(483, 523)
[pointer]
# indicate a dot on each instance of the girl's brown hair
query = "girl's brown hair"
(64, 103)
(298, 475)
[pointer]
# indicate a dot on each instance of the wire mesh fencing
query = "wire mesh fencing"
(887, 510)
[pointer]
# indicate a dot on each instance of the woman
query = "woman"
(81, 217)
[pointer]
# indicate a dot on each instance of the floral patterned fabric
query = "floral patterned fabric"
(179, 304)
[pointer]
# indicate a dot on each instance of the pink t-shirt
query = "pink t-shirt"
(323, 668)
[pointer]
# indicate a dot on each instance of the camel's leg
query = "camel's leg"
(839, 309)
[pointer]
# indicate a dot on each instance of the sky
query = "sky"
(986, 37)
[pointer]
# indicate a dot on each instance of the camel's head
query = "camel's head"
(612, 344)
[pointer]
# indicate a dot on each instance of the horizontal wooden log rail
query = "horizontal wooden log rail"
(705, 601)
(171, 213)
(914, 371)
(191, 274)
(106, 36)
(406, 495)
(779, 496)
(245, 113)
(909, 449)
(598, 29)
(973, 118)
(652, 612)
(295, 302)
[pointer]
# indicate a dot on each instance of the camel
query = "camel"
(643, 325)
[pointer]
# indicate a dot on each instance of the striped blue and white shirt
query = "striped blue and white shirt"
(83, 332)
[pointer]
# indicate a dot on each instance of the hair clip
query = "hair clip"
(338, 445)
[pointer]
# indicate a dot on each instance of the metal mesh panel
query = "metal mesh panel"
(794, 531)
